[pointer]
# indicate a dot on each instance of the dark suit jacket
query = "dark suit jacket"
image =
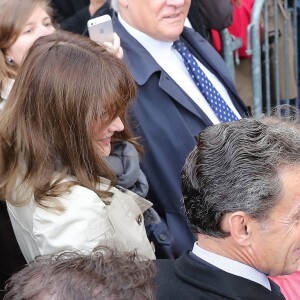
(168, 121)
(72, 15)
(189, 278)
(11, 257)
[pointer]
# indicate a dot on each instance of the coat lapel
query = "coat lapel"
(167, 84)
(142, 66)
(207, 55)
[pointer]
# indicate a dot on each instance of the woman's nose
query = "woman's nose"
(116, 125)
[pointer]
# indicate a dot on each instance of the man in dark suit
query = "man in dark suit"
(242, 197)
(170, 110)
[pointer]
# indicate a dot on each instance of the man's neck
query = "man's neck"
(215, 245)
(222, 259)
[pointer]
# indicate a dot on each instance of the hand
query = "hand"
(115, 46)
(95, 5)
(237, 3)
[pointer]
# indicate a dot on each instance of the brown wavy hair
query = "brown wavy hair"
(66, 83)
(13, 16)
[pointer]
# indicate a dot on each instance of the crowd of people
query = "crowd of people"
(133, 169)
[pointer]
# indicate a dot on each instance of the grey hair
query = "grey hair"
(105, 273)
(235, 167)
(114, 5)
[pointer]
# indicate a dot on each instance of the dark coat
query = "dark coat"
(189, 278)
(11, 257)
(205, 15)
(72, 15)
(167, 120)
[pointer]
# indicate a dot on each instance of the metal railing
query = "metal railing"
(272, 44)
(230, 44)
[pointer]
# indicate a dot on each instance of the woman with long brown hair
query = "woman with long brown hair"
(21, 23)
(69, 99)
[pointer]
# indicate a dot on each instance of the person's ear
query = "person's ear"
(9, 61)
(239, 226)
(123, 3)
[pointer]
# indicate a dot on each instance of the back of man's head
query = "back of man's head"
(103, 274)
(235, 167)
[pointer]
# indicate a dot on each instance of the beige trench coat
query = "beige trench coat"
(87, 222)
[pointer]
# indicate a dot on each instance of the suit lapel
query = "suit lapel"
(167, 84)
(142, 66)
(207, 55)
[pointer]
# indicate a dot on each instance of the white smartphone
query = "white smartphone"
(101, 29)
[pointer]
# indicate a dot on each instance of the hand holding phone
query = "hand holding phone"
(115, 47)
(100, 29)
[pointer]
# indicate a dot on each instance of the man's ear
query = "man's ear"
(123, 3)
(239, 226)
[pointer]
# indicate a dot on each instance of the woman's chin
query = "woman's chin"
(104, 149)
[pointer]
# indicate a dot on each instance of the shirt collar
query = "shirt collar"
(232, 266)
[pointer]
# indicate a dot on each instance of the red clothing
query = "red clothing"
(289, 285)
(238, 28)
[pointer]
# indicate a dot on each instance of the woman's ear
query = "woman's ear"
(8, 60)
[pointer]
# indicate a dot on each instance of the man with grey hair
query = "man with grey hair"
(103, 274)
(242, 197)
(173, 105)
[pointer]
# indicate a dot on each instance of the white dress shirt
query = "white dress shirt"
(232, 266)
(171, 62)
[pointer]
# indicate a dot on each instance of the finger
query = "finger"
(116, 41)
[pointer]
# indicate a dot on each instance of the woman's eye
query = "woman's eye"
(29, 30)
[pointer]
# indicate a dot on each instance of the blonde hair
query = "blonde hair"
(65, 83)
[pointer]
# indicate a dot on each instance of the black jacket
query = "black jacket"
(205, 15)
(72, 15)
(190, 278)
(11, 257)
